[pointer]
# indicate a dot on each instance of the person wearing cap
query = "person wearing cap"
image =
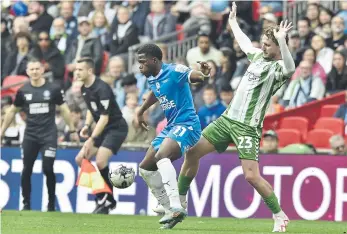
(294, 45)
(338, 145)
(270, 142)
(269, 20)
(85, 45)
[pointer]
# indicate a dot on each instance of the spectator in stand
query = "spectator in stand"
(294, 46)
(16, 60)
(76, 119)
(324, 28)
(270, 142)
(58, 35)
(269, 19)
(228, 65)
(317, 70)
(159, 22)
(51, 58)
(337, 78)
(343, 13)
(85, 45)
(138, 134)
(341, 113)
(74, 97)
(128, 111)
(338, 145)
(305, 32)
(204, 51)
(101, 27)
(100, 5)
(38, 17)
(212, 108)
(225, 38)
(139, 11)
(116, 70)
(226, 95)
(338, 37)
(324, 54)
(129, 84)
(123, 33)
(305, 88)
(6, 39)
(312, 13)
(71, 24)
(20, 25)
(199, 12)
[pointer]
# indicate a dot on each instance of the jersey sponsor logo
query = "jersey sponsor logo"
(94, 106)
(46, 95)
(157, 85)
(28, 96)
(105, 103)
(50, 153)
(181, 68)
(62, 94)
(38, 108)
(252, 77)
(165, 103)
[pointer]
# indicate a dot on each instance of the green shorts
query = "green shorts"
(224, 131)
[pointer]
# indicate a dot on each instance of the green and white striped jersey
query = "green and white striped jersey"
(261, 80)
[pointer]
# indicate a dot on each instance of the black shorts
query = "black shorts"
(113, 138)
(31, 148)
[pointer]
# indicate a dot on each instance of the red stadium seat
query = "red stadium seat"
(13, 80)
(105, 59)
(328, 110)
(288, 136)
(295, 122)
(335, 125)
(319, 138)
(180, 36)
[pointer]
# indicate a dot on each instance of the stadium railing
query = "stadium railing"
(175, 48)
(293, 10)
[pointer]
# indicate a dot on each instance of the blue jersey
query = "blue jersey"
(171, 87)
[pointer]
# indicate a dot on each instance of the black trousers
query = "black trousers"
(30, 150)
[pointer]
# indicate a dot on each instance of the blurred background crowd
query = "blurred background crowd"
(60, 32)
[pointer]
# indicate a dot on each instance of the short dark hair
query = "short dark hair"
(202, 34)
(89, 61)
(151, 50)
(74, 108)
(211, 87)
(226, 88)
(305, 19)
(129, 79)
(269, 32)
(21, 35)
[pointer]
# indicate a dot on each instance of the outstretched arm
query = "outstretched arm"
(289, 64)
(244, 42)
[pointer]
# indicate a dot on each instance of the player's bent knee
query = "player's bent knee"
(251, 177)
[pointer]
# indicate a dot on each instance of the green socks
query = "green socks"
(272, 203)
(184, 184)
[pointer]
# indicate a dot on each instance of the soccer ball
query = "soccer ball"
(122, 177)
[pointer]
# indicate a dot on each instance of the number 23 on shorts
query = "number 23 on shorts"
(245, 142)
(179, 131)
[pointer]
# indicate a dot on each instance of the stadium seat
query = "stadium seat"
(13, 80)
(180, 36)
(328, 110)
(105, 59)
(319, 138)
(335, 125)
(295, 122)
(288, 136)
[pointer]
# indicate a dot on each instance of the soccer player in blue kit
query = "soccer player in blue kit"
(169, 83)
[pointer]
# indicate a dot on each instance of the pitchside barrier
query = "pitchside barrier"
(311, 187)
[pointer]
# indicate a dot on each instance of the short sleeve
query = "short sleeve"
(19, 99)
(254, 54)
(182, 73)
(106, 95)
(59, 96)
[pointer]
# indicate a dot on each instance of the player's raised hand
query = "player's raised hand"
(204, 68)
(285, 27)
(84, 132)
(232, 14)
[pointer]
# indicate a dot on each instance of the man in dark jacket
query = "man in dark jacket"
(85, 45)
(16, 61)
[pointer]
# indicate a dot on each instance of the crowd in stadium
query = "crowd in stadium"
(60, 32)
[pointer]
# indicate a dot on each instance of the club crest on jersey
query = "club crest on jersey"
(94, 106)
(28, 96)
(46, 95)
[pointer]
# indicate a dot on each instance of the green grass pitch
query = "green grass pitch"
(30, 222)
